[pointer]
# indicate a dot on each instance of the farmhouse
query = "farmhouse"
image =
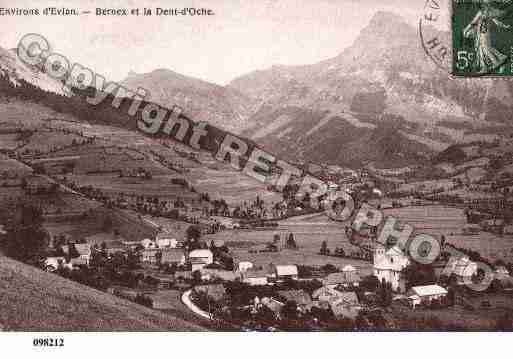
(255, 277)
(54, 263)
(345, 279)
(274, 305)
(426, 294)
(244, 266)
(302, 298)
(284, 272)
(84, 253)
(148, 243)
(224, 275)
(462, 267)
(169, 255)
(325, 294)
(200, 258)
(166, 240)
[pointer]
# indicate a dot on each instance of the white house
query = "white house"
(54, 263)
(245, 266)
(200, 258)
(255, 277)
(166, 240)
(425, 294)
(388, 265)
(148, 243)
(462, 267)
(283, 272)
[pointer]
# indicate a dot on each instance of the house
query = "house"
(53, 263)
(501, 272)
(183, 275)
(169, 255)
(325, 294)
(388, 265)
(284, 272)
(425, 294)
(148, 243)
(345, 279)
(255, 277)
(116, 246)
(148, 255)
(244, 266)
(173, 256)
(166, 240)
(200, 258)
(163, 281)
(84, 253)
(300, 297)
(462, 267)
(345, 305)
(274, 305)
(225, 275)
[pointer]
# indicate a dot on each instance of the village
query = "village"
(129, 221)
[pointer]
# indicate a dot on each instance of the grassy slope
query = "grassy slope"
(32, 300)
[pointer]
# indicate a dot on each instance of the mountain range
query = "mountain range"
(381, 100)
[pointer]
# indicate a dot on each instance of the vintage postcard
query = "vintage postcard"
(255, 166)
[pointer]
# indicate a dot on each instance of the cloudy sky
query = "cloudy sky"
(243, 36)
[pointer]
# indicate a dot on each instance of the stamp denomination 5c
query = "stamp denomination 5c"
(482, 35)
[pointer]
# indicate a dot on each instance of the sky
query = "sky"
(242, 36)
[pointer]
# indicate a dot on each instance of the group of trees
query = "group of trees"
(26, 240)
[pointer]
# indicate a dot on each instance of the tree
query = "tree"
(276, 238)
(193, 233)
(196, 277)
(324, 248)
(369, 283)
(385, 293)
(289, 310)
(291, 243)
(26, 239)
(158, 258)
(417, 274)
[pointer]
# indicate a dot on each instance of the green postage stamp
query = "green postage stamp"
(482, 35)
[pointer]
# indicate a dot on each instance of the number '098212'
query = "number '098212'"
(48, 342)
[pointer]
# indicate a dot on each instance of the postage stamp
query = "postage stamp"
(482, 35)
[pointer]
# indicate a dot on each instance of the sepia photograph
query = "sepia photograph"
(271, 166)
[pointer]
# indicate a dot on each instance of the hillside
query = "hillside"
(15, 70)
(33, 300)
(202, 100)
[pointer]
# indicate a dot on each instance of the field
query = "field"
(222, 181)
(159, 186)
(33, 300)
(8, 167)
(309, 232)
(9, 141)
(450, 221)
(460, 318)
(79, 230)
